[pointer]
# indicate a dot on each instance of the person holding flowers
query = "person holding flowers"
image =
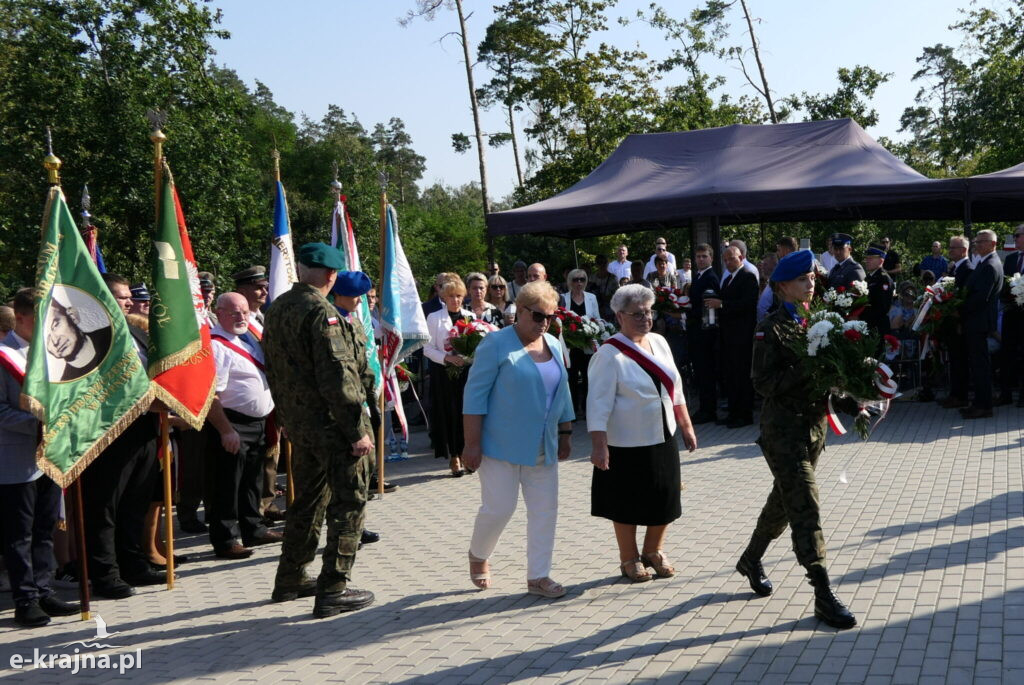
(582, 303)
(518, 426)
(793, 425)
(447, 374)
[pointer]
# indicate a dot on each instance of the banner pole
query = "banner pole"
(83, 562)
(286, 450)
(165, 458)
(383, 370)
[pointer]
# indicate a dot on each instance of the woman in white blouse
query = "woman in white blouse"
(446, 391)
(636, 400)
(579, 301)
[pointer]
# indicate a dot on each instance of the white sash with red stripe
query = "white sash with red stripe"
(256, 328)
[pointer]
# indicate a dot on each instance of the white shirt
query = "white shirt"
(620, 269)
(650, 268)
(622, 400)
(685, 276)
(752, 269)
(764, 302)
(827, 260)
(241, 385)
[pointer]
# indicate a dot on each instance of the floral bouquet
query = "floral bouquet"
(848, 301)
(891, 346)
(1016, 284)
(463, 339)
(841, 356)
(939, 310)
(669, 300)
(581, 332)
(404, 376)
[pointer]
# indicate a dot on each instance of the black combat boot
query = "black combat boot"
(332, 603)
(750, 566)
(828, 607)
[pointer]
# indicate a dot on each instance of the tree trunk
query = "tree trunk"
(515, 145)
(760, 67)
(476, 121)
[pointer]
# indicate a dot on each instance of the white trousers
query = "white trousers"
(499, 491)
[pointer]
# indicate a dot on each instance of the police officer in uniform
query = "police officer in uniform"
(315, 367)
(792, 438)
(846, 269)
(880, 288)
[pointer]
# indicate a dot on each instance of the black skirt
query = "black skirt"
(641, 485)
(446, 411)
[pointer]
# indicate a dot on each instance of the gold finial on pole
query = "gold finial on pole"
(277, 164)
(157, 120)
(51, 162)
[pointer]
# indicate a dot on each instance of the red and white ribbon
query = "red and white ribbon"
(887, 387)
(833, 420)
(925, 306)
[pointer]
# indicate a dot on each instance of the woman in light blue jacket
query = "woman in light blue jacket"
(518, 416)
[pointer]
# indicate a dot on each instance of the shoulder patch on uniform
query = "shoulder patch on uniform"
(759, 335)
(332, 320)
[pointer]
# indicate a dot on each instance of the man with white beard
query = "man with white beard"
(238, 438)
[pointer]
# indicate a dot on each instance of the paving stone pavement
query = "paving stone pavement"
(925, 543)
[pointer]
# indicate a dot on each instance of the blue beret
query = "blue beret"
(322, 255)
(875, 250)
(793, 265)
(352, 284)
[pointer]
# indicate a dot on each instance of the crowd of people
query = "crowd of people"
(298, 368)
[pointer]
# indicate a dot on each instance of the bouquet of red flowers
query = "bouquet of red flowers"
(891, 346)
(669, 300)
(463, 339)
(582, 332)
(841, 356)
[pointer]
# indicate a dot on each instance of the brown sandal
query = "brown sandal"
(660, 563)
(634, 570)
(481, 577)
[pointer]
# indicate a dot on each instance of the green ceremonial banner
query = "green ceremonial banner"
(84, 379)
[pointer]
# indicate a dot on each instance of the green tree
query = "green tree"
(851, 99)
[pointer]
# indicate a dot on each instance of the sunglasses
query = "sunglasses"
(540, 317)
(579, 279)
(497, 287)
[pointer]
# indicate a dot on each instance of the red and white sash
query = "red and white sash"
(14, 361)
(239, 350)
(645, 360)
(256, 328)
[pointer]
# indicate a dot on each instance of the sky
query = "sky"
(354, 54)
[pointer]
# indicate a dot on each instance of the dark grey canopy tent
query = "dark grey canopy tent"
(811, 171)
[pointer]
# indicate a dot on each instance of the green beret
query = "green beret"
(322, 255)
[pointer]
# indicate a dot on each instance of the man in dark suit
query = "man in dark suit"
(846, 269)
(703, 342)
(737, 305)
(960, 269)
(1011, 363)
(979, 314)
(880, 288)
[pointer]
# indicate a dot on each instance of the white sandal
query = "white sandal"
(482, 579)
(545, 587)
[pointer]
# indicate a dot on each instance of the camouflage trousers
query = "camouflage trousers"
(794, 498)
(330, 484)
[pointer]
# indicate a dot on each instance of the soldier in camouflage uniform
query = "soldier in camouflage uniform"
(316, 369)
(792, 438)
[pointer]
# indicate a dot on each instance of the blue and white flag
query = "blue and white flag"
(403, 326)
(282, 255)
